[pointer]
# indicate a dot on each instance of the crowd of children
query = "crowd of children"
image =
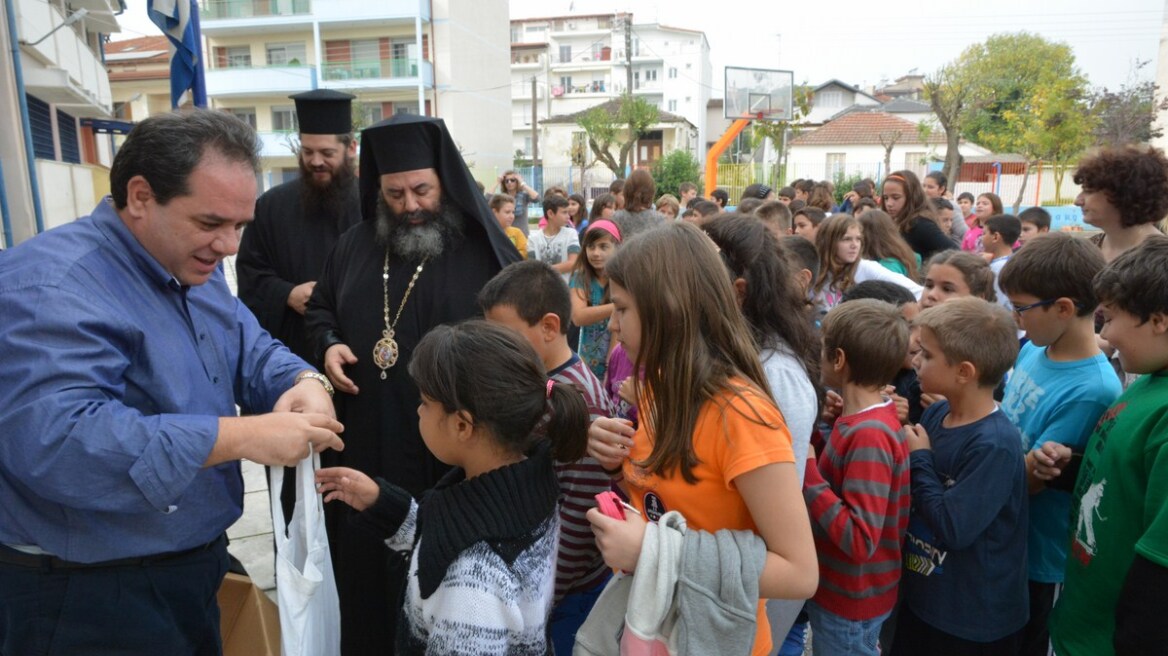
(913, 444)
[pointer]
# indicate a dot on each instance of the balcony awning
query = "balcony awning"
(107, 126)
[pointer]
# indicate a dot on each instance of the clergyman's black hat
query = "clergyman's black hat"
(324, 111)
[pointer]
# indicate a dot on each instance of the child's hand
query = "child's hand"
(619, 541)
(609, 441)
(833, 405)
(1049, 460)
(900, 402)
(348, 485)
(929, 399)
(627, 391)
(916, 437)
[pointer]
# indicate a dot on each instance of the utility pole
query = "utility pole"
(629, 54)
(534, 124)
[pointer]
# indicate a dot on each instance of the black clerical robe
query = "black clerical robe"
(283, 248)
(381, 422)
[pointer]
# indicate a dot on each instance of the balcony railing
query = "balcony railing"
(370, 69)
(213, 9)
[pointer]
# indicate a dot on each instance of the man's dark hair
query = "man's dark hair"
(617, 186)
(720, 196)
(1136, 281)
(165, 148)
(748, 205)
(787, 192)
(880, 290)
(533, 288)
(1006, 225)
(942, 204)
(1055, 266)
(1036, 215)
(553, 202)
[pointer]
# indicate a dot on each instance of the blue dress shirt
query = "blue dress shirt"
(112, 380)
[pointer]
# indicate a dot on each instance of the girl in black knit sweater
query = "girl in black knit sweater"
(483, 541)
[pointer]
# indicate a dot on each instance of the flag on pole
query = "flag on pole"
(179, 21)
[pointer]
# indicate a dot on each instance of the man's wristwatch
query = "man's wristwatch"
(320, 378)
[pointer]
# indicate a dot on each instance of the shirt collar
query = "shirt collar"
(107, 220)
(571, 361)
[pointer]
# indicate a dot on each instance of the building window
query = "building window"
(371, 112)
(673, 105)
(651, 75)
(566, 83)
(516, 34)
(672, 73)
(245, 114)
(831, 99)
(284, 119)
(286, 54)
(526, 146)
(915, 162)
(67, 133)
(535, 29)
(835, 165)
(238, 56)
(565, 54)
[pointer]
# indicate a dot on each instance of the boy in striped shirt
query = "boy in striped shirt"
(857, 491)
(532, 299)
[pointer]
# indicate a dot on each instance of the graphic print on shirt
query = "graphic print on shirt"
(1024, 396)
(1088, 514)
(923, 552)
(1089, 492)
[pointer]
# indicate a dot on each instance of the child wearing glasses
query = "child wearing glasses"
(1061, 385)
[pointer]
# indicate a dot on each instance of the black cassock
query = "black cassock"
(283, 248)
(381, 422)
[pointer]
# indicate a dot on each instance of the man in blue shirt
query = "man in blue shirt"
(125, 356)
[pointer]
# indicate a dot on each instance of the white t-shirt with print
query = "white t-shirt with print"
(553, 250)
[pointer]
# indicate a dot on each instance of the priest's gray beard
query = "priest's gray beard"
(437, 232)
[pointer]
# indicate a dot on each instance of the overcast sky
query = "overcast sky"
(864, 42)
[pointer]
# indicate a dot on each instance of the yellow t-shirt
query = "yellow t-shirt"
(729, 441)
(519, 239)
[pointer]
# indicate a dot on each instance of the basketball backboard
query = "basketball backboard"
(758, 93)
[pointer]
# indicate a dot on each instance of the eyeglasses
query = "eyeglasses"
(1019, 309)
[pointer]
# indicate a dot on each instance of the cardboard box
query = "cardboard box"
(249, 622)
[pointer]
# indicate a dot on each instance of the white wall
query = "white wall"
(472, 59)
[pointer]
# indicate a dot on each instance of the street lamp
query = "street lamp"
(73, 18)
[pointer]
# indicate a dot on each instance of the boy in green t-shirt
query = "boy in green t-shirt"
(1116, 585)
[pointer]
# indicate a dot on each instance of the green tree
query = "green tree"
(675, 168)
(1015, 93)
(619, 125)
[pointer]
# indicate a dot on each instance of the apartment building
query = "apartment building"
(581, 61)
(52, 84)
(445, 58)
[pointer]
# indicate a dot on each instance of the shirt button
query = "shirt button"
(203, 337)
(215, 379)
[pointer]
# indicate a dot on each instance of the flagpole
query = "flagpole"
(199, 82)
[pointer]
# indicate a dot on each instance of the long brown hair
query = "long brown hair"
(841, 275)
(693, 337)
(882, 240)
(916, 203)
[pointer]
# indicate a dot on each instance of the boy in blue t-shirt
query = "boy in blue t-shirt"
(962, 590)
(1062, 383)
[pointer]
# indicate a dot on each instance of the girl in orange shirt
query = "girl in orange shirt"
(711, 444)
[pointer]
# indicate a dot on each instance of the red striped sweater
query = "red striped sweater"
(579, 565)
(857, 493)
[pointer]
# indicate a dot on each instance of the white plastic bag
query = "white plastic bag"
(310, 612)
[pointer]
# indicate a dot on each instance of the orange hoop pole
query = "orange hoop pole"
(716, 150)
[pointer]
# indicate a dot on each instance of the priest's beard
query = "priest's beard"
(437, 232)
(328, 200)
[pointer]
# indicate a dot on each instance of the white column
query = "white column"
(421, 62)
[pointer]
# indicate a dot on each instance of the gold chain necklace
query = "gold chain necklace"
(385, 351)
